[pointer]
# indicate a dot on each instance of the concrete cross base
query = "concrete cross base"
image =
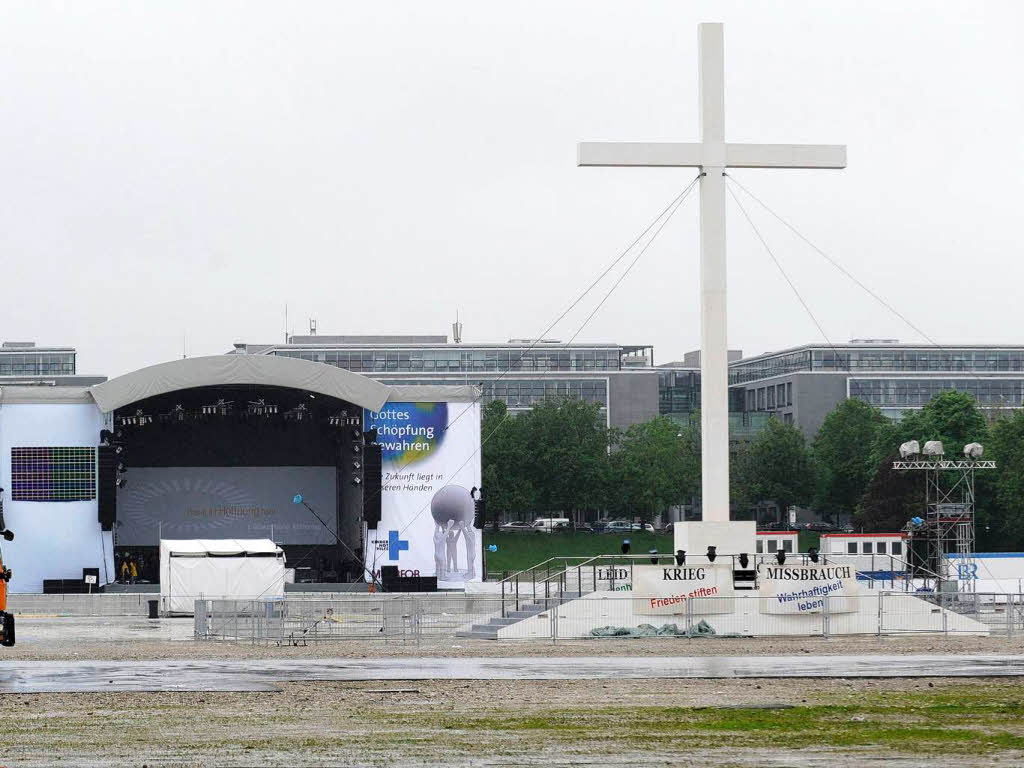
(731, 537)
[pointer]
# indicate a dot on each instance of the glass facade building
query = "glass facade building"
(909, 392)
(850, 358)
(29, 360)
(468, 359)
(802, 385)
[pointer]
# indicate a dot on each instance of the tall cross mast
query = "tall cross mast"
(712, 155)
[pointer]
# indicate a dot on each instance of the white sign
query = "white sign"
(667, 589)
(802, 588)
(612, 578)
(90, 578)
(430, 463)
(792, 515)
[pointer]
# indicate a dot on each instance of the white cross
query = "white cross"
(713, 155)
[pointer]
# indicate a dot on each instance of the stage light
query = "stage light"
(8, 535)
(780, 556)
(712, 554)
(297, 498)
(357, 480)
(654, 556)
(625, 546)
(356, 448)
(356, 466)
(812, 552)
(121, 482)
(121, 467)
(744, 560)
(680, 556)
(370, 436)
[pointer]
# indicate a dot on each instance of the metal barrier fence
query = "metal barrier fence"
(417, 618)
(98, 604)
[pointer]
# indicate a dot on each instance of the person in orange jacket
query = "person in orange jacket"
(6, 619)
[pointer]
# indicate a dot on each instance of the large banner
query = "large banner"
(225, 503)
(802, 588)
(666, 589)
(431, 463)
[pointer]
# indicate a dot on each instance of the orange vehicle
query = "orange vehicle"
(6, 619)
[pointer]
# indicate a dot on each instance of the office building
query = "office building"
(803, 384)
(23, 363)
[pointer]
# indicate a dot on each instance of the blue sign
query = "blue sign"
(396, 545)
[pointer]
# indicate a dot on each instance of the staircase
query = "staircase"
(489, 631)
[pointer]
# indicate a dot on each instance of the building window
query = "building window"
(53, 474)
(773, 545)
(760, 547)
(880, 548)
(851, 548)
(866, 548)
(787, 545)
(897, 548)
(789, 393)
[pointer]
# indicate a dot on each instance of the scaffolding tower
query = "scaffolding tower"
(947, 528)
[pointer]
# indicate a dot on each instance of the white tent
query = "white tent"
(233, 569)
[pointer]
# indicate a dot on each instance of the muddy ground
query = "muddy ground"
(506, 723)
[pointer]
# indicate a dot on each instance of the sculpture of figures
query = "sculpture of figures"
(439, 554)
(469, 538)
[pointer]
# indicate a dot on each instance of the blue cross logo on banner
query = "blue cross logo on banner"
(395, 545)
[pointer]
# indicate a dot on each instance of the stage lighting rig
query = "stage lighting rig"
(680, 557)
(177, 413)
(298, 413)
(812, 552)
(221, 408)
(260, 408)
(712, 554)
(653, 552)
(744, 560)
(780, 557)
(137, 419)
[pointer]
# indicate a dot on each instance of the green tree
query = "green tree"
(775, 466)
(567, 454)
(1001, 524)
(893, 497)
(507, 485)
(951, 417)
(655, 465)
(842, 454)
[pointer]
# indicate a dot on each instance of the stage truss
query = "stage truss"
(948, 526)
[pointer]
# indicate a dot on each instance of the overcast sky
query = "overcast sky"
(188, 168)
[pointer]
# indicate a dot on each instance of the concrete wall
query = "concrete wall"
(53, 540)
(632, 397)
(815, 395)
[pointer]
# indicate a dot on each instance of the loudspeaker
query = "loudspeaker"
(372, 477)
(479, 513)
(106, 487)
(388, 576)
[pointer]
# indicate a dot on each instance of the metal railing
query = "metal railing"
(440, 618)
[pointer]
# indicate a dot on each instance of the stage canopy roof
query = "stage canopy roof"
(220, 370)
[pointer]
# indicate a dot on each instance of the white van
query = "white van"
(549, 524)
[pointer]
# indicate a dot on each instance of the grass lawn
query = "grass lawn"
(518, 551)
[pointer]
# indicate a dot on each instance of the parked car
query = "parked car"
(624, 526)
(599, 526)
(819, 526)
(516, 528)
(548, 524)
